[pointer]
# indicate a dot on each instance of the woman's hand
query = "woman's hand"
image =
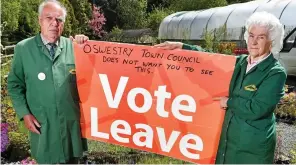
(223, 101)
(170, 45)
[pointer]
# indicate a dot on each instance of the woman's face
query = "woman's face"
(258, 41)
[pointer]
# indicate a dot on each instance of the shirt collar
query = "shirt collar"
(45, 42)
(256, 61)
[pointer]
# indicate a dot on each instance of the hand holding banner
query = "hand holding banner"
(151, 99)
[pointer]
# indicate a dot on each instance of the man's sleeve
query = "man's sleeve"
(262, 104)
(16, 85)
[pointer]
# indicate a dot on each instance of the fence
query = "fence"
(6, 55)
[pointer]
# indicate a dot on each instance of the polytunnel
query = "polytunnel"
(191, 25)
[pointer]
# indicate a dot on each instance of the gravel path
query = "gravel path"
(287, 135)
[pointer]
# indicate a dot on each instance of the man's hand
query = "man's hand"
(31, 123)
(80, 39)
(170, 45)
(223, 101)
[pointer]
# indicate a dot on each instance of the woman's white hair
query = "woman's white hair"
(44, 3)
(274, 27)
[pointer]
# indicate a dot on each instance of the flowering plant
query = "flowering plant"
(287, 107)
(4, 136)
(97, 21)
(28, 160)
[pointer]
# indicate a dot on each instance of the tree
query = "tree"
(156, 16)
(9, 21)
(109, 7)
(71, 24)
(82, 14)
(189, 5)
(28, 18)
(237, 1)
(213, 3)
(156, 4)
(132, 13)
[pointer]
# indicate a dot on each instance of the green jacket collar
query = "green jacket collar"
(40, 43)
(262, 65)
(43, 48)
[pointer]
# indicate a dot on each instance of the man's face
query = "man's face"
(258, 41)
(51, 22)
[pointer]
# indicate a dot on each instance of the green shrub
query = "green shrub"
(132, 13)
(147, 39)
(213, 41)
(116, 34)
(156, 16)
(19, 147)
(287, 106)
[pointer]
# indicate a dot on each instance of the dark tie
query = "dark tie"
(51, 50)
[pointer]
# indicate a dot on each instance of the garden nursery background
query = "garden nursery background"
(128, 21)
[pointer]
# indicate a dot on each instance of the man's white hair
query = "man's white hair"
(44, 3)
(272, 24)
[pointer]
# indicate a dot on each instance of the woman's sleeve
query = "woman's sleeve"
(193, 47)
(264, 101)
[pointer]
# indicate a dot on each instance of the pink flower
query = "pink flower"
(97, 21)
(28, 160)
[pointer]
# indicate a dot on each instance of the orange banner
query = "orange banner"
(154, 100)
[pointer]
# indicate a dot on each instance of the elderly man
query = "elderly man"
(248, 134)
(42, 86)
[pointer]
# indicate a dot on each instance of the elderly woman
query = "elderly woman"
(248, 134)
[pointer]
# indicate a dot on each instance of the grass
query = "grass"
(159, 159)
(95, 146)
(109, 153)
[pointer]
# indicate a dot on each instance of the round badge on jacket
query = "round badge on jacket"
(41, 76)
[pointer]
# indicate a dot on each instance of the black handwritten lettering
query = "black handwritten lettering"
(110, 59)
(189, 69)
(183, 59)
(125, 51)
(131, 50)
(172, 67)
(209, 72)
(108, 50)
(127, 61)
(114, 50)
(151, 64)
(95, 48)
(143, 69)
(148, 54)
(119, 50)
(86, 48)
(101, 50)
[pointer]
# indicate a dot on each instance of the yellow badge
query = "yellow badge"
(72, 71)
(250, 88)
